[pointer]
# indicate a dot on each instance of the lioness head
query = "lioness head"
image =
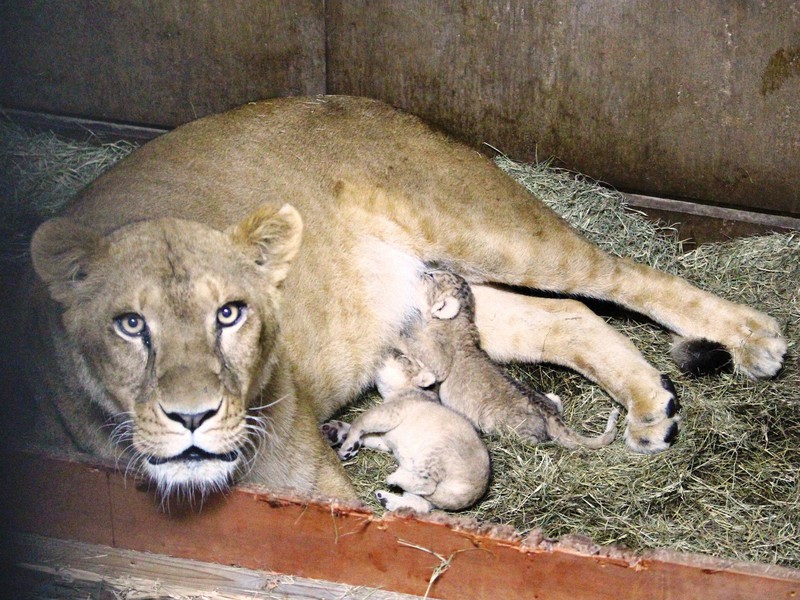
(173, 327)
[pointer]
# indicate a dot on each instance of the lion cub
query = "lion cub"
(442, 461)
(446, 340)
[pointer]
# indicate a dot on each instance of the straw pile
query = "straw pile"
(729, 487)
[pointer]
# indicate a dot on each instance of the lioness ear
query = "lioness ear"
(62, 252)
(446, 308)
(273, 235)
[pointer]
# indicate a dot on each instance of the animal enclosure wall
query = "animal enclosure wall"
(679, 99)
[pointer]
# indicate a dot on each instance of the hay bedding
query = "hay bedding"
(729, 487)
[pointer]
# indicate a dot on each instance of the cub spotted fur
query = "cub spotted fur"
(133, 343)
(441, 460)
(446, 340)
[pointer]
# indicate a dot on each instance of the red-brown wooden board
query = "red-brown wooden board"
(346, 544)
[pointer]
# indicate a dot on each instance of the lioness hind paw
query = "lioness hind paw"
(655, 431)
(659, 402)
(752, 339)
(760, 355)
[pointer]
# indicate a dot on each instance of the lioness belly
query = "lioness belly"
(339, 324)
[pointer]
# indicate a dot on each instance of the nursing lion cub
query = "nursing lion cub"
(228, 286)
(441, 460)
(446, 341)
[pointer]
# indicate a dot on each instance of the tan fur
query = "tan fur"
(447, 342)
(380, 196)
(441, 460)
(175, 275)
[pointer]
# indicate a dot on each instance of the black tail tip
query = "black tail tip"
(701, 357)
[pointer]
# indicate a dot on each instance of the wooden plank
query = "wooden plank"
(80, 568)
(766, 220)
(82, 129)
(59, 498)
(668, 99)
(700, 224)
(352, 546)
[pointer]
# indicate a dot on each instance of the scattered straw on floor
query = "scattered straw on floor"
(730, 487)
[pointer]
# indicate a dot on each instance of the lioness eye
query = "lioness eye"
(230, 314)
(131, 324)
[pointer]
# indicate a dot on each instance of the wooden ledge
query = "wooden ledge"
(349, 545)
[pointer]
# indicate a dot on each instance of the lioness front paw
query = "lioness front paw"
(335, 431)
(654, 428)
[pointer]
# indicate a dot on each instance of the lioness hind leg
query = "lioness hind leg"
(514, 327)
(524, 244)
(708, 325)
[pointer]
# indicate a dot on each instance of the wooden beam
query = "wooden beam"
(78, 570)
(78, 128)
(776, 222)
(445, 556)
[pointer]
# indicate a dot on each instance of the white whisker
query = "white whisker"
(266, 406)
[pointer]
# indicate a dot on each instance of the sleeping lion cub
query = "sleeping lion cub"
(441, 460)
(446, 341)
(203, 305)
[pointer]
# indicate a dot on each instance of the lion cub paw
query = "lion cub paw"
(335, 431)
(350, 448)
(655, 430)
(392, 501)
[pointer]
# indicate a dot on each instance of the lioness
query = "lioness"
(188, 328)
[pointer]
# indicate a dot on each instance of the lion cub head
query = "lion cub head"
(172, 327)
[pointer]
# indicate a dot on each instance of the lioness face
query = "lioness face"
(176, 326)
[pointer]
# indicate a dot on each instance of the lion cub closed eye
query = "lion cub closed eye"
(446, 340)
(442, 461)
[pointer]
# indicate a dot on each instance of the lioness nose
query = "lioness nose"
(192, 420)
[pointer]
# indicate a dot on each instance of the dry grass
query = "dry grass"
(728, 488)
(39, 172)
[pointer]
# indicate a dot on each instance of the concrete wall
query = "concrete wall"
(683, 99)
(157, 62)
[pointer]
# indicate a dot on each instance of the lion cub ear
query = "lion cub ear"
(446, 308)
(424, 379)
(62, 252)
(272, 235)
